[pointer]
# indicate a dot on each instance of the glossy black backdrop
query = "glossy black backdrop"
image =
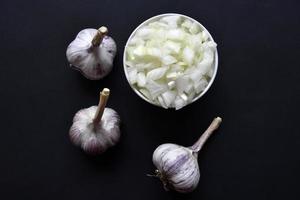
(254, 155)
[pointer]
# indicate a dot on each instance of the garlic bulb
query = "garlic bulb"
(95, 128)
(177, 166)
(92, 53)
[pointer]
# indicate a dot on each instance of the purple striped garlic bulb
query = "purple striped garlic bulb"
(92, 53)
(96, 128)
(177, 166)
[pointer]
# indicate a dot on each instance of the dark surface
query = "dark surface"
(254, 155)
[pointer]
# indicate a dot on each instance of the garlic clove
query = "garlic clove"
(177, 166)
(92, 53)
(96, 128)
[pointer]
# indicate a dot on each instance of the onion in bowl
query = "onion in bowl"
(170, 60)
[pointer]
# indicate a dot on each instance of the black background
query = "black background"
(254, 155)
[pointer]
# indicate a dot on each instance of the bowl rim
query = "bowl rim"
(216, 59)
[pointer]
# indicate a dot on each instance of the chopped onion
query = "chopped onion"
(172, 21)
(132, 75)
(171, 85)
(155, 89)
(146, 93)
(169, 97)
(187, 24)
(172, 75)
(188, 55)
(161, 102)
(200, 86)
(141, 79)
(175, 34)
(194, 29)
(179, 102)
(182, 84)
(173, 47)
(156, 73)
(170, 61)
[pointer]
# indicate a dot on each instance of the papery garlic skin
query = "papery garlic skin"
(177, 166)
(95, 138)
(170, 159)
(94, 62)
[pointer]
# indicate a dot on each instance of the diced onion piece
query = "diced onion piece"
(187, 24)
(130, 56)
(145, 33)
(179, 102)
(146, 93)
(158, 25)
(155, 89)
(172, 75)
(200, 86)
(210, 44)
(204, 35)
(168, 97)
(182, 83)
(139, 51)
(161, 102)
(195, 42)
(173, 47)
(172, 21)
(184, 97)
(136, 41)
(206, 63)
(130, 64)
(176, 68)
(171, 85)
(132, 75)
(182, 63)
(191, 96)
(196, 75)
(141, 67)
(189, 88)
(194, 29)
(157, 73)
(188, 55)
(175, 34)
(141, 79)
(155, 52)
(210, 73)
(168, 60)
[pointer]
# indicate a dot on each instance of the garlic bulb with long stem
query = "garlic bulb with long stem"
(96, 128)
(177, 166)
(92, 53)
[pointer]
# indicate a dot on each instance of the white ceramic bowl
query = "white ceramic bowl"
(156, 18)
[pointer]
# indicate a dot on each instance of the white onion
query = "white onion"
(141, 79)
(179, 102)
(155, 89)
(169, 97)
(170, 61)
(156, 73)
(132, 74)
(188, 55)
(182, 84)
(172, 21)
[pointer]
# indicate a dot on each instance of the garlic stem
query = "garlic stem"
(212, 127)
(102, 31)
(101, 106)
